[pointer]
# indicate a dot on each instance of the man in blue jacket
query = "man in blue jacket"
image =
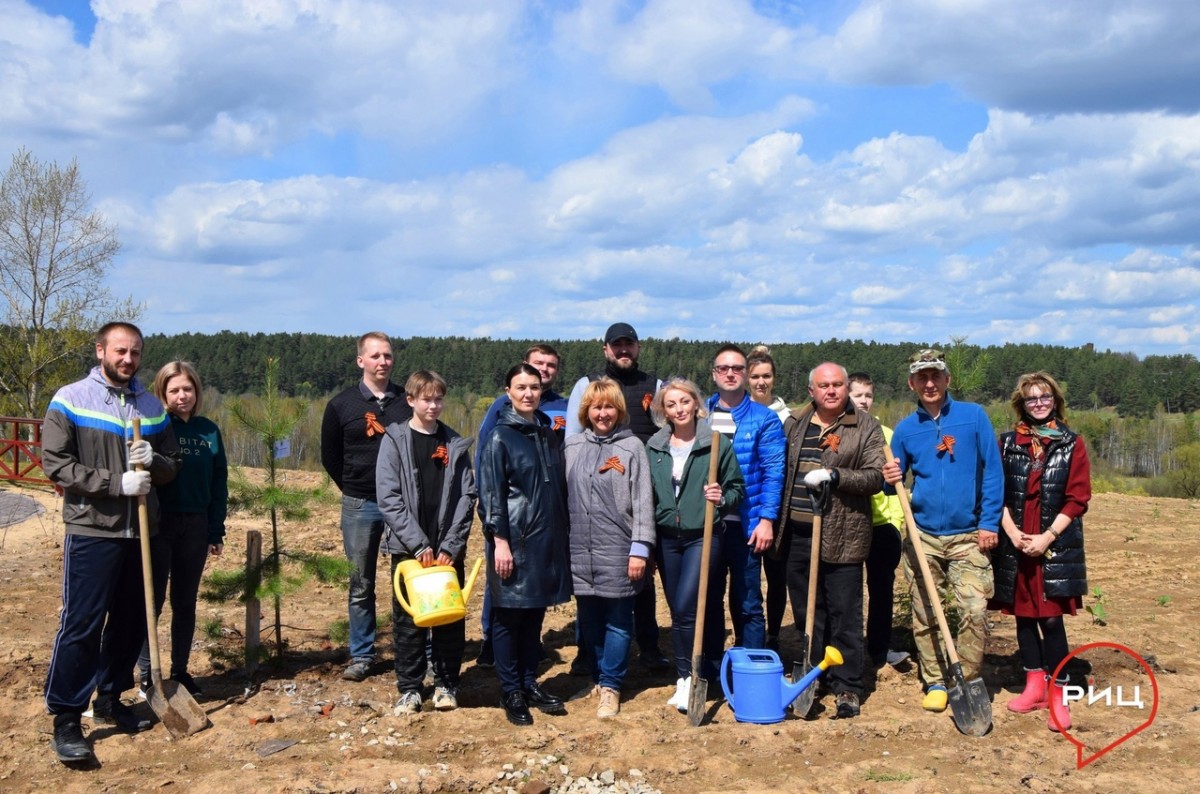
(758, 443)
(957, 495)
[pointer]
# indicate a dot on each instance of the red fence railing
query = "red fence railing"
(21, 450)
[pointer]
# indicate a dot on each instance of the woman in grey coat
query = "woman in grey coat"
(611, 505)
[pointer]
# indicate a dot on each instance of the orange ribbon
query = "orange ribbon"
(559, 422)
(947, 444)
(442, 454)
(612, 463)
(831, 441)
(646, 400)
(373, 425)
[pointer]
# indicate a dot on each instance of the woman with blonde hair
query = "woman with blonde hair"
(192, 526)
(612, 533)
(679, 460)
(1038, 564)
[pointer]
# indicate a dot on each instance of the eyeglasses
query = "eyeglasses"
(1041, 399)
(725, 369)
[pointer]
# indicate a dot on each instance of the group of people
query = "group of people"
(590, 496)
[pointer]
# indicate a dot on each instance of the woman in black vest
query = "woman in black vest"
(1039, 563)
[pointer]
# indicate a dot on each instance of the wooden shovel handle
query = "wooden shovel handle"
(914, 534)
(147, 573)
(705, 554)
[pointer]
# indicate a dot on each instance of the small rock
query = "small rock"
(535, 786)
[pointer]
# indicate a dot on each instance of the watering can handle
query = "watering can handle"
(724, 678)
(399, 594)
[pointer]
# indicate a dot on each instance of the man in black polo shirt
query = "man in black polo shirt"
(621, 351)
(354, 423)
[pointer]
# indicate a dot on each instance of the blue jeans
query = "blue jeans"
(362, 529)
(679, 562)
(745, 588)
(605, 627)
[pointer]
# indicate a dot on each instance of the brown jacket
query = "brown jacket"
(846, 527)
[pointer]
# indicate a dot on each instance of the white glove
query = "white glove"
(135, 483)
(140, 453)
(815, 477)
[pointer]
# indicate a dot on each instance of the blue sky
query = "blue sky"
(1003, 170)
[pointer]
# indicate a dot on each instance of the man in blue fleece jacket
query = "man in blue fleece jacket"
(957, 495)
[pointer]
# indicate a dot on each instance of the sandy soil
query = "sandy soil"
(339, 736)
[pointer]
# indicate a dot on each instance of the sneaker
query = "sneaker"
(683, 692)
(409, 703)
(610, 703)
(847, 705)
(69, 745)
(357, 671)
(487, 658)
(445, 698)
(188, 683)
(144, 685)
(587, 693)
(108, 710)
(897, 657)
(935, 699)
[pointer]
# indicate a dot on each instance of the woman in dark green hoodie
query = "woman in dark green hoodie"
(193, 515)
(679, 460)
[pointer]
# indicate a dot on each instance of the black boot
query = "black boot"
(69, 745)
(542, 700)
(109, 710)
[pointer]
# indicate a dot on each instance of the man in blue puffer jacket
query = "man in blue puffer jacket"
(758, 442)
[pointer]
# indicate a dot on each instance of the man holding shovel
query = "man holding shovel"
(957, 496)
(835, 449)
(88, 452)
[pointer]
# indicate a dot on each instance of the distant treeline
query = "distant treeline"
(312, 365)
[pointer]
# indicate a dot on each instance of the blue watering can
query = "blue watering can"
(762, 692)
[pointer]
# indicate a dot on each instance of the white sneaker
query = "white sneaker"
(896, 657)
(683, 691)
(445, 699)
(674, 699)
(409, 703)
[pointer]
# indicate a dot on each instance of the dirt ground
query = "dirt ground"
(338, 736)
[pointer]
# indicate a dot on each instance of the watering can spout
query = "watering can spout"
(466, 593)
(791, 691)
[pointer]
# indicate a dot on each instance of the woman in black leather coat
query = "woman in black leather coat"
(522, 497)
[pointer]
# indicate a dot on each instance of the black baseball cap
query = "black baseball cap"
(619, 331)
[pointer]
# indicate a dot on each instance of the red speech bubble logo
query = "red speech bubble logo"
(1080, 761)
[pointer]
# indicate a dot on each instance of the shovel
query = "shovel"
(175, 707)
(969, 702)
(698, 694)
(803, 704)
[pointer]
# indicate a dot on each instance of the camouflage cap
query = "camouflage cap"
(926, 359)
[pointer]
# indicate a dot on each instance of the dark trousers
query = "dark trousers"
(838, 611)
(177, 555)
(645, 619)
(517, 644)
(679, 562)
(881, 578)
(775, 574)
(103, 622)
(445, 644)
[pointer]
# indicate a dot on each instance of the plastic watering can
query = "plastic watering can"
(436, 598)
(761, 693)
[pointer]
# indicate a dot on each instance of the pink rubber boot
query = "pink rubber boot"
(1060, 715)
(1034, 696)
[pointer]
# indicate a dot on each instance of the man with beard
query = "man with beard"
(621, 351)
(545, 360)
(834, 449)
(351, 431)
(88, 451)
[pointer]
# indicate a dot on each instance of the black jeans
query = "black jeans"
(447, 644)
(517, 644)
(838, 611)
(881, 578)
(177, 553)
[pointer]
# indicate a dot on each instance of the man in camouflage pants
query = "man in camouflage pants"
(957, 496)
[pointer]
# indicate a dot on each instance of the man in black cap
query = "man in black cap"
(621, 351)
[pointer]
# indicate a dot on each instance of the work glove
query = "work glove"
(135, 483)
(140, 453)
(816, 477)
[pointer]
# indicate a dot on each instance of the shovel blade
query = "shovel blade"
(178, 711)
(697, 700)
(969, 703)
(804, 701)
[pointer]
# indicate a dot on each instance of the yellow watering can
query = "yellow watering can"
(436, 596)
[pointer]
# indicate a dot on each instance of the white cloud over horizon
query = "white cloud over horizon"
(539, 171)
